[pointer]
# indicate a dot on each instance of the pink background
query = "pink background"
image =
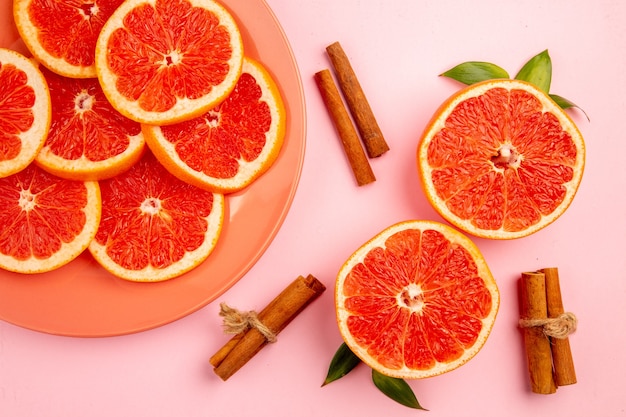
(397, 48)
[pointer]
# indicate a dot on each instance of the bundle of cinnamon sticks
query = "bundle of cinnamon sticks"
(360, 110)
(250, 339)
(546, 327)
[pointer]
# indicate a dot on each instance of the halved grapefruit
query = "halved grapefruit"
(500, 159)
(416, 300)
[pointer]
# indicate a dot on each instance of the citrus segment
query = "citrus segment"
(155, 227)
(88, 139)
(163, 61)
(228, 147)
(46, 221)
(417, 300)
(24, 112)
(501, 160)
(62, 34)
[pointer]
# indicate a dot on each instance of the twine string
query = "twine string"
(558, 327)
(236, 321)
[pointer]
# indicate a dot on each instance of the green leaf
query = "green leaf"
(397, 389)
(342, 363)
(537, 71)
(566, 104)
(475, 71)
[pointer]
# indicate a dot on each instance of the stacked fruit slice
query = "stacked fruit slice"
(108, 78)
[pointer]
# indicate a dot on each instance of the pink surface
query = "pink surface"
(397, 48)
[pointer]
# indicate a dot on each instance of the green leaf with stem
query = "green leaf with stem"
(566, 104)
(341, 364)
(537, 71)
(472, 72)
(397, 389)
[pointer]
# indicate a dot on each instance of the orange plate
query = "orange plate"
(81, 299)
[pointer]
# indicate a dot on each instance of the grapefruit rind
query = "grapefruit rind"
(190, 260)
(438, 122)
(87, 170)
(454, 237)
(33, 139)
(29, 33)
(249, 171)
(185, 108)
(69, 250)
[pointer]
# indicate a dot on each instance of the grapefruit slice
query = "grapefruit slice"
(416, 300)
(155, 227)
(500, 159)
(228, 147)
(62, 34)
(46, 221)
(88, 139)
(164, 61)
(24, 111)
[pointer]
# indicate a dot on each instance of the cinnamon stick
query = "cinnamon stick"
(564, 372)
(538, 352)
(360, 109)
(276, 316)
(343, 124)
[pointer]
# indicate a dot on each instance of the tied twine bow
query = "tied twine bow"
(558, 327)
(236, 321)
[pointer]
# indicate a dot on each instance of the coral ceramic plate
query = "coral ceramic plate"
(81, 299)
